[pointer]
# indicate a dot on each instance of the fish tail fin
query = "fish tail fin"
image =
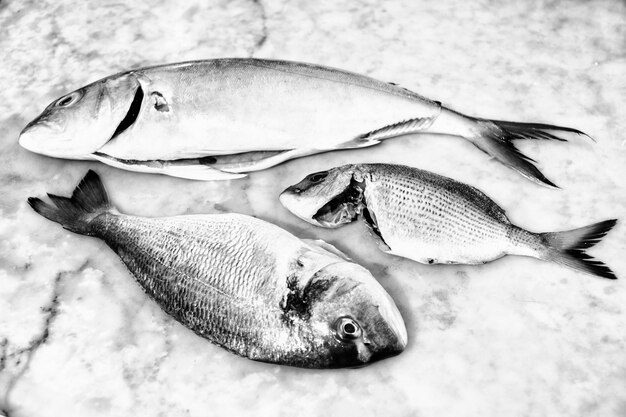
(568, 248)
(75, 213)
(495, 137)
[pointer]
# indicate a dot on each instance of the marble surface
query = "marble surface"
(515, 337)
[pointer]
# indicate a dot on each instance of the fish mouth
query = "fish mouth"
(25, 140)
(30, 139)
(35, 123)
(387, 352)
(290, 200)
(33, 138)
(396, 325)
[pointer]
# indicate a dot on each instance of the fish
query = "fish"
(244, 284)
(220, 119)
(433, 219)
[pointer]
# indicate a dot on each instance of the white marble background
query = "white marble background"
(516, 337)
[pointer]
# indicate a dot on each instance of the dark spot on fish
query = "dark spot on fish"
(297, 302)
(207, 160)
(159, 102)
(131, 115)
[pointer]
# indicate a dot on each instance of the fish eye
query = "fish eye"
(347, 329)
(317, 177)
(69, 99)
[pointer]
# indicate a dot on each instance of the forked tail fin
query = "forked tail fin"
(568, 248)
(88, 200)
(495, 137)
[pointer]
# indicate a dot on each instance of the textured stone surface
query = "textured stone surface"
(514, 337)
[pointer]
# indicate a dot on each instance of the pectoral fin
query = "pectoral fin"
(184, 168)
(370, 220)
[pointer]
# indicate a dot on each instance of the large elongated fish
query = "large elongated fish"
(218, 119)
(433, 219)
(244, 284)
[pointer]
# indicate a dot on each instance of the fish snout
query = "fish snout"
(292, 189)
(46, 136)
(302, 207)
(388, 339)
(387, 336)
(31, 136)
(392, 334)
(291, 201)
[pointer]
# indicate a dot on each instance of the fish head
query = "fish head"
(328, 199)
(355, 317)
(81, 122)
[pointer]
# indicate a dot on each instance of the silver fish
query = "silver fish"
(244, 284)
(433, 219)
(222, 118)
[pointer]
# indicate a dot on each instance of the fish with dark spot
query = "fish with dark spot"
(244, 284)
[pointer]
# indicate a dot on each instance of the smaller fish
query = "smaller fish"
(244, 284)
(432, 219)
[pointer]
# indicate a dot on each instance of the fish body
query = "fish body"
(433, 219)
(245, 284)
(218, 119)
(253, 105)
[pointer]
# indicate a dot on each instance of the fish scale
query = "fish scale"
(418, 215)
(244, 284)
(433, 219)
(197, 274)
(219, 119)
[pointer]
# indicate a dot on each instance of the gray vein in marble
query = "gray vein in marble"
(264, 34)
(21, 358)
(516, 337)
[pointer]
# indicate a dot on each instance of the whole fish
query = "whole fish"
(218, 119)
(433, 219)
(244, 284)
